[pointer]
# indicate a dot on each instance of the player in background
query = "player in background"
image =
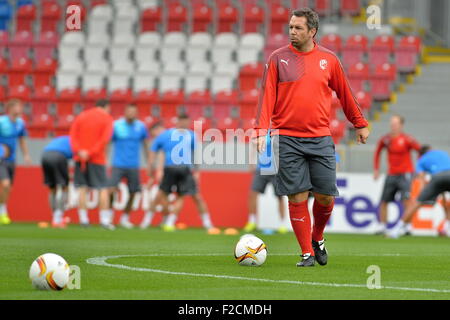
(129, 134)
(437, 164)
(261, 178)
(399, 146)
(12, 129)
(178, 146)
(295, 103)
(55, 166)
(89, 136)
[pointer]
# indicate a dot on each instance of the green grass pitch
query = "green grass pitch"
(190, 264)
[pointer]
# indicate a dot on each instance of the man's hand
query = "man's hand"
(261, 144)
(376, 174)
(27, 160)
(361, 135)
(84, 155)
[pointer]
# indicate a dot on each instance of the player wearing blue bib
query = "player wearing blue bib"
(129, 134)
(437, 164)
(12, 129)
(177, 145)
(55, 166)
(263, 174)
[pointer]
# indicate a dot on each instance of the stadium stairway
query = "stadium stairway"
(425, 106)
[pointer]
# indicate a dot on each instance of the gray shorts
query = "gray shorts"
(56, 169)
(397, 184)
(131, 175)
(7, 170)
(305, 164)
(439, 183)
(94, 176)
(260, 181)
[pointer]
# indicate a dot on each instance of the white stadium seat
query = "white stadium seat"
(144, 53)
(118, 81)
(200, 39)
(175, 39)
(227, 40)
(143, 81)
(194, 83)
(100, 66)
(149, 67)
(200, 68)
(75, 66)
(176, 68)
(252, 40)
(222, 54)
(220, 83)
(150, 38)
(247, 55)
(169, 82)
(194, 54)
(145, 4)
(230, 69)
(70, 46)
(66, 80)
(92, 80)
(170, 54)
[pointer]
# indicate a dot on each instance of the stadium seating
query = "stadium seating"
(20, 44)
(332, 42)
(44, 47)
(5, 14)
(358, 74)
(227, 16)
(202, 16)
(382, 81)
(381, 49)
(354, 49)
(51, 13)
(279, 14)
(26, 14)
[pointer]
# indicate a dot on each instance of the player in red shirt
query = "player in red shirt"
(295, 103)
(89, 136)
(399, 146)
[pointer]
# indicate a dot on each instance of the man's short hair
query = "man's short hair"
(155, 125)
(102, 103)
(12, 103)
(424, 149)
(312, 18)
(183, 116)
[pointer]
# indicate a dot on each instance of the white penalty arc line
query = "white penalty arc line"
(101, 261)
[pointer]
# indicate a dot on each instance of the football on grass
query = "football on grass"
(49, 272)
(250, 251)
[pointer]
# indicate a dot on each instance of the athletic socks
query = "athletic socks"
(57, 216)
(3, 210)
(301, 223)
(252, 218)
(321, 215)
(207, 224)
(83, 216)
(147, 220)
(171, 219)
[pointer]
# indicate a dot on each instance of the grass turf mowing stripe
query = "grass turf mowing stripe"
(101, 261)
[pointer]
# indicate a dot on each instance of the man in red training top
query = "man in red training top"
(89, 136)
(295, 104)
(399, 146)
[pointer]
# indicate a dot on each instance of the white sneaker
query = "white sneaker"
(108, 226)
(397, 232)
(126, 224)
(380, 229)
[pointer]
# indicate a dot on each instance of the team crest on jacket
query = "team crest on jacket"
(323, 64)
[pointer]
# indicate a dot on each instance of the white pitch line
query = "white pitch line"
(101, 261)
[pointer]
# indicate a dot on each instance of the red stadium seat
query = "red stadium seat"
(205, 123)
(358, 74)
(91, 96)
(382, 81)
(145, 100)
(248, 123)
(253, 16)
(66, 101)
(150, 19)
(350, 7)
(25, 18)
(227, 123)
(248, 104)
(50, 16)
(44, 71)
(2, 93)
(202, 16)
(196, 102)
(322, 7)
(62, 125)
(250, 75)
(176, 16)
(223, 102)
(279, 17)
(227, 16)
(381, 49)
(78, 3)
(4, 66)
(20, 92)
(407, 54)
(170, 102)
(338, 129)
(4, 41)
(273, 43)
(45, 46)
(21, 44)
(41, 100)
(119, 99)
(18, 71)
(365, 100)
(332, 42)
(40, 126)
(354, 49)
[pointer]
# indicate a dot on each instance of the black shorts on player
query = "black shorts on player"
(7, 170)
(130, 175)
(305, 164)
(261, 181)
(439, 183)
(178, 179)
(397, 184)
(93, 176)
(56, 169)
